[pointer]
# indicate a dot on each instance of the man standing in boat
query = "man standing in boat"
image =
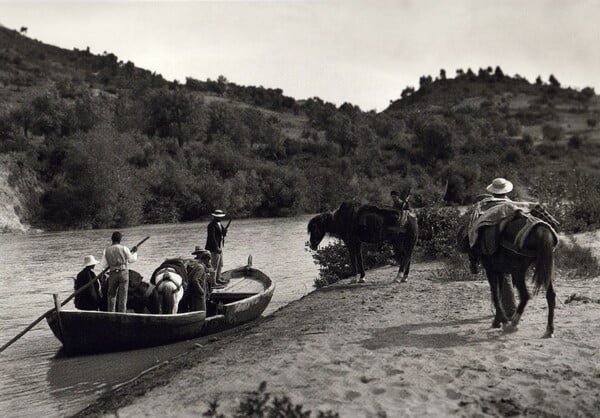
(215, 240)
(117, 258)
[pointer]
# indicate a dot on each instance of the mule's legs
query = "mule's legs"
(406, 270)
(551, 298)
(494, 281)
(352, 253)
(524, 297)
(359, 262)
(403, 263)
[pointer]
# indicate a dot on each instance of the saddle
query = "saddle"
(374, 221)
(175, 264)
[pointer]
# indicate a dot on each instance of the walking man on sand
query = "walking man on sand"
(215, 240)
(117, 258)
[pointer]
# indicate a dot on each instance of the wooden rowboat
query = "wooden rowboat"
(93, 332)
(244, 299)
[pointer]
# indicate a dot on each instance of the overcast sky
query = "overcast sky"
(363, 52)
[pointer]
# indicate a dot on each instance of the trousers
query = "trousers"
(216, 261)
(118, 285)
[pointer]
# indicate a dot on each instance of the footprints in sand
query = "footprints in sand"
(351, 395)
(501, 359)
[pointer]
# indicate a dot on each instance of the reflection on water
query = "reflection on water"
(36, 380)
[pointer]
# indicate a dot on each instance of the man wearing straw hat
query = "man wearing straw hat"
(90, 299)
(215, 240)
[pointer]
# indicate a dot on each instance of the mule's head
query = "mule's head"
(317, 228)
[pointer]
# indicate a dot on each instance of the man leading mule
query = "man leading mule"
(509, 237)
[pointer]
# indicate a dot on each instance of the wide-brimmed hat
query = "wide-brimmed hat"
(89, 260)
(500, 186)
(201, 252)
(218, 213)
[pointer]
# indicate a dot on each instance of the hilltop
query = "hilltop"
(107, 144)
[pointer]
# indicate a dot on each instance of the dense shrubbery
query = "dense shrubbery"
(573, 197)
(261, 404)
(334, 262)
(438, 227)
(576, 261)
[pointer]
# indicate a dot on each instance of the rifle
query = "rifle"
(225, 230)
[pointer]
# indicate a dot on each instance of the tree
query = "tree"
(407, 92)
(434, 141)
(553, 81)
(498, 74)
(442, 74)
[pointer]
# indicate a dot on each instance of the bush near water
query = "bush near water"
(111, 144)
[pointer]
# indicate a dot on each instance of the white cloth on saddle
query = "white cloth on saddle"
(494, 211)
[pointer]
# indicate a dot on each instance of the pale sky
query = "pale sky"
(362, 52)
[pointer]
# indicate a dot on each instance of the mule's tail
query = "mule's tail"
(544, 260)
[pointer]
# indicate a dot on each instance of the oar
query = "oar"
(50, 311)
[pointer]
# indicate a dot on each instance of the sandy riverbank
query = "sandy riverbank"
(422, 348)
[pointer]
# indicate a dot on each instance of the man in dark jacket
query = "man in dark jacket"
(215, 239)
(89, 299)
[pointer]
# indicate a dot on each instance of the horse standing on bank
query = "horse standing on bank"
(356, 224)
(537, 251)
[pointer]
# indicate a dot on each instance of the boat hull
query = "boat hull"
(243, 300)
(84, 332)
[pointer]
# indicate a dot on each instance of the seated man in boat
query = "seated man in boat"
(89, 299)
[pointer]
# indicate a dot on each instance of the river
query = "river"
(35, 381)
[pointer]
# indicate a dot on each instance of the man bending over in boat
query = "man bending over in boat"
(198, 273)
(117, 258)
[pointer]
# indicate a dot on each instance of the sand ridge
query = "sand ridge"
(422, 348)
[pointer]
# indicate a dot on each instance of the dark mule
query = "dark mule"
(356, 224)
(142, 297)
(538, 250)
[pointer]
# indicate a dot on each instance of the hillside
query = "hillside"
(114, 145)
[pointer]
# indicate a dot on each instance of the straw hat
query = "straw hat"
(500, 186)
(218, 213)
(89, 260)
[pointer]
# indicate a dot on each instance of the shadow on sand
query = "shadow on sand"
(408, 335)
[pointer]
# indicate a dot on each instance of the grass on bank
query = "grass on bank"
(262, 404)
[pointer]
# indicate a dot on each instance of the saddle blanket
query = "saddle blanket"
(490, 216)
(377, 220)
(177, 265)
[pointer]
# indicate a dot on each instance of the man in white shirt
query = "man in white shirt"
(117, 258)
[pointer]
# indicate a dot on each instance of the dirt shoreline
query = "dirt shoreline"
(422, 348)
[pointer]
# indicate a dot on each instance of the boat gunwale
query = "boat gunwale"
(262, 277)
